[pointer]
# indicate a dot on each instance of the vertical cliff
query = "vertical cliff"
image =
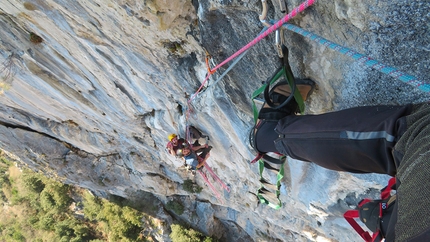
(91, 89)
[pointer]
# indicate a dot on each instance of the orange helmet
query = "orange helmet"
(171, 136)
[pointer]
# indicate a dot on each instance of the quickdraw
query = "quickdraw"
(207, 58)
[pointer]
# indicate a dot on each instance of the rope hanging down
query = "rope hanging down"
(406, 78)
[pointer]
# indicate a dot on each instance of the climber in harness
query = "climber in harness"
(393, 140)
(384, 139)
(176, 144)
(194, 161)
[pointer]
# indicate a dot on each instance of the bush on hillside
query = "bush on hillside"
(176, 207)
(190, 186)
(181, 234)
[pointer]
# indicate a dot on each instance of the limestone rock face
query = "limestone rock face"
(94, 101)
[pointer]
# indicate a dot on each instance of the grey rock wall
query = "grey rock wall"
(94, 102)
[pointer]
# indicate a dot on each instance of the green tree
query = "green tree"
(34, 183)
(55, 196)
(39, 211)
(181, 234)
(119, 223)
(192, 187)
(46, 222)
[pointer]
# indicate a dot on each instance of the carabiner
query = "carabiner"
(279, 41)
(282, 6)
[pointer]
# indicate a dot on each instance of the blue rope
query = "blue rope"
(406, 78)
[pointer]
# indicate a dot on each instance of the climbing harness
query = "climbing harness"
(406, 78)
(269, 193)
(375, 214)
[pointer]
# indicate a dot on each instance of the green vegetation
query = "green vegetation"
(181, 234)
(118, 223)
(35, 208)
(176, 207)
(190, 186)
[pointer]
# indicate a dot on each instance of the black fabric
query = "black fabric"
(265, 136)
(369, 214)
(204, 152)
(194, 133)
(325, 139)
(390, 232)
(423, 236)
(271, 114)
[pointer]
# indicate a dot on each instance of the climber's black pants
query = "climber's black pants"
(359, 140)
(393, 140)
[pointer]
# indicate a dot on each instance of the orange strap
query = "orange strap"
(211, 72)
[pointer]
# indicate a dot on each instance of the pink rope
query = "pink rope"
(274, 27)
(217, 195)
(207, 167)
